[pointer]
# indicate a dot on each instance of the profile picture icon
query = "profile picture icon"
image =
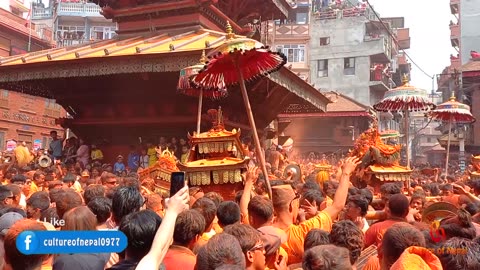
(27, 242)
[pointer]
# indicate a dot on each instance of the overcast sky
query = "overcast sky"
(428, 21)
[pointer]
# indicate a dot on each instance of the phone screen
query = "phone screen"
(177, 182)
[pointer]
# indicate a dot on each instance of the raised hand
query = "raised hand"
(350, 164)
(179, 202)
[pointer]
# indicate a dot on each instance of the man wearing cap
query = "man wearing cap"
(7, 220)
(286, 207)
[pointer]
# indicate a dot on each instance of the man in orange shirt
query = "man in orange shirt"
(286, 208)
(397, 211)
(189, 227)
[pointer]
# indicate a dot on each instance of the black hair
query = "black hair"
(215, 197)
(261, 208)
(69, 178)
(4, 193)
(311, 185)
(313, 195)
(315, 237)
(49, 214)
(19, 178)
(390, 189)
(207, 208)
(246, 235)
(361, 202)
(126, 200)
(222, 249)
(398, 205)
(228, 213)
(101, 207)
(93, 191)
(348, 235)
(39, 200)
(464, 257)
(189, 224)
(140, 229)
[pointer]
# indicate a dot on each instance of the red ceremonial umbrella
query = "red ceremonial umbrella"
(186, 87)
(236, 60)
(405, 99)
(452, 111)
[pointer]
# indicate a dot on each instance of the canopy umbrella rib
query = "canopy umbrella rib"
(237, 60)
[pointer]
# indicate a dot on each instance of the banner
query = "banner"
(11, 144)
(37, 144)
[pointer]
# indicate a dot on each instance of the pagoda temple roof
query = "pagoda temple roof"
(159, 43)
(339, 106)
(109, 71)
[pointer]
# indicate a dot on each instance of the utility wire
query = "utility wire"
(396, 41)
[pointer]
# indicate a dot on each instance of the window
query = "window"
(429, 140)
(324, 41)
(301, 18)
(294, 53)
(4, 94)
(28, 102)
(25, 138)
(349, 66)
(2, 141)
(322, 68)
(4, 98)
(100, 32)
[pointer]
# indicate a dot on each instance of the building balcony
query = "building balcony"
(79, 10)
(41, 13)
(454, 6)
(403, 38)
(380, 48)
(379, 81)
(344, 13)
(454, 31)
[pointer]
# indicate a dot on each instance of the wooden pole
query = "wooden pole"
(258, 147)
(199, 116)
(448, 146)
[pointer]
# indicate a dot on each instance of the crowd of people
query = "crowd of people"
(307, 223)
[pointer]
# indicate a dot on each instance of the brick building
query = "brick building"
(24, 117)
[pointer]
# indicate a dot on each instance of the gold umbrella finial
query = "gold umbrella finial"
(453, 98)
(203, 58)
(405, 79)
(230, 34)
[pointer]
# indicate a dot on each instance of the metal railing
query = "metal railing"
(343, 13)
(41, 13)
(83, 9)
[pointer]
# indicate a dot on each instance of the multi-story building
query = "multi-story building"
(354, 53)
(75, 21)
(291, 37)
(465, 40)
(23, 117)
(345, 50)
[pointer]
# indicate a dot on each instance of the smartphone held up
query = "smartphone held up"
(177, 182)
